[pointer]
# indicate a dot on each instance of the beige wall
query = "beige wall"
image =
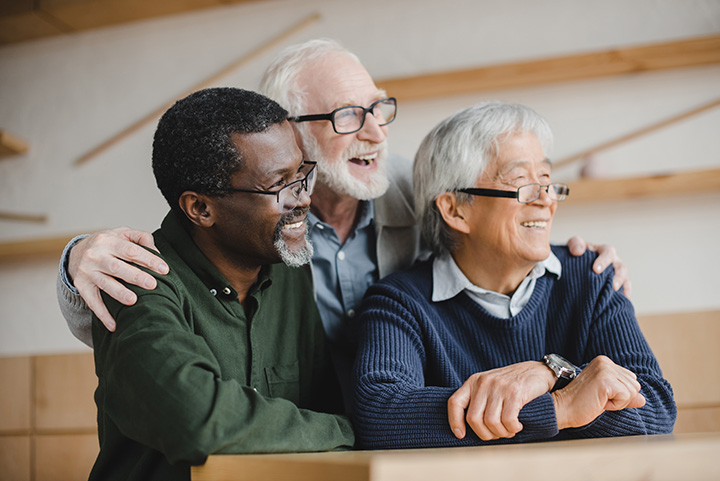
(65, 95)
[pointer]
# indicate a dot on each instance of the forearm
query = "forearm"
(657, 416)
(72, 306)
(75, 312)
(390, 415)
(617, 335)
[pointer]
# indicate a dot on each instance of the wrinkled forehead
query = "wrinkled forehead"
(334, 81)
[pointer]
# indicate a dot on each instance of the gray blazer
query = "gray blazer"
(398, 235)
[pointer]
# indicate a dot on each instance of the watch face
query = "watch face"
(561, 366)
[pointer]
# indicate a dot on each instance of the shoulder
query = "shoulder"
(399, 171)
(578, 274)
(416, 281)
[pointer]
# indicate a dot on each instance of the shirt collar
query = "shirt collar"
(367, 214)
(449, 280)
(174, 231)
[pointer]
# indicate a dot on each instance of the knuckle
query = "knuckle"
(474, 420)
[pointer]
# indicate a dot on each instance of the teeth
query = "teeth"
(296, 225)
(535, 224)
(368, 159)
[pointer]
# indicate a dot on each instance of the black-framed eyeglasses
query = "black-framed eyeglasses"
(524, 194)
(350, 119)
(289, 196)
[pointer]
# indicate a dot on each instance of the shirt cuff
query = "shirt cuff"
(64, 262)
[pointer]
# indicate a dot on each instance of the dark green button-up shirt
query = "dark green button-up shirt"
(190, 372)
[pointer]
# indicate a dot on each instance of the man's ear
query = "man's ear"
(197, 208)
(452, 211)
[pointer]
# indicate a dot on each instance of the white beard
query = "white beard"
(292, 258)
(337, 177)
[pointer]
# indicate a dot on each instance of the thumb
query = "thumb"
(457, 404)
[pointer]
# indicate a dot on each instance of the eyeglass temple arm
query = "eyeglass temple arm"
(303, 118)
(490, 192)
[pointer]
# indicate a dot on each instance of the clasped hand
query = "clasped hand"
(490, 401)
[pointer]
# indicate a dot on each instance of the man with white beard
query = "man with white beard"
(361, 222)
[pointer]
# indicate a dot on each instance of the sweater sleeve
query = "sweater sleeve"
(615, 333)
(394, 408)
(76, 312)
(162, 386)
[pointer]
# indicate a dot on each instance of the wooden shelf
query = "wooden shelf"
(24, 20)
(604, 190)
(11, 145)
(20, 250)
(659, 56)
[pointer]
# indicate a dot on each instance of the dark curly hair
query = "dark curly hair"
(192, 149)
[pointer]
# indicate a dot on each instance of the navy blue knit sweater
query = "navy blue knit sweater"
(414, 353)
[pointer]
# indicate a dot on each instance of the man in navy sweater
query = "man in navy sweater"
(488, 332)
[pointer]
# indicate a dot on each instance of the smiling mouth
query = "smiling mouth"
(535, 224)
(364, 159)
(295, 225)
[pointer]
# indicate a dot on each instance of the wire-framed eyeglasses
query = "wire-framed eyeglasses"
(524, 194)
(350, 119)
(289, 196)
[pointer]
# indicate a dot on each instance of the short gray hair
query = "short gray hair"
(455, 154)
(279, 82)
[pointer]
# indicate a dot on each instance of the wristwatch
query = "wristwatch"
(564, 370)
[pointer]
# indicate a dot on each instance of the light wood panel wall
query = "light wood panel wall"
(48, 425)
(48, 428)
(687, 346)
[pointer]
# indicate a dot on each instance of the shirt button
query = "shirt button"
(255, 389)
(320, 226)
(351, 313)
(227, 291)
(341, 255)
(213, 292)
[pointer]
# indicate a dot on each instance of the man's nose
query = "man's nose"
(304, 199)
(371, 131)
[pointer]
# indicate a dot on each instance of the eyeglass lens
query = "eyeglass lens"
(289, 196)
(351, 119)
(531, 192)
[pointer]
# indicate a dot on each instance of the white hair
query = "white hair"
(279, 82)
(455, 154)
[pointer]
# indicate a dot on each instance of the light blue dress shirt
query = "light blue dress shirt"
(343, 272)
(449, 281)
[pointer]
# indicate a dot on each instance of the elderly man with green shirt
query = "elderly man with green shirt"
(227, 354)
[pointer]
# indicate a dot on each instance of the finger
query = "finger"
(111, 287)
(140, 237)
(624, 390)
(627, 289)
(510, 414)
(122, 270)
(606, 256)
(493, 418)
(132, 252)
(621, 274)
(637, 401)
(95, 303)
(475, 417)
(577, 246)
(457, 403)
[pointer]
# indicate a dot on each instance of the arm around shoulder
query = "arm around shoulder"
(72, 306)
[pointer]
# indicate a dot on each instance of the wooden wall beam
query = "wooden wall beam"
(659, 56)
(11, 145)
(51, 246)
(603, 190)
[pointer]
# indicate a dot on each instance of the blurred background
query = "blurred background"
(631, 90)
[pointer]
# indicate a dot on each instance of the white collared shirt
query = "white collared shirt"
(449, 281)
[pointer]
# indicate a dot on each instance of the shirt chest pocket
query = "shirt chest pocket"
(284, 381)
